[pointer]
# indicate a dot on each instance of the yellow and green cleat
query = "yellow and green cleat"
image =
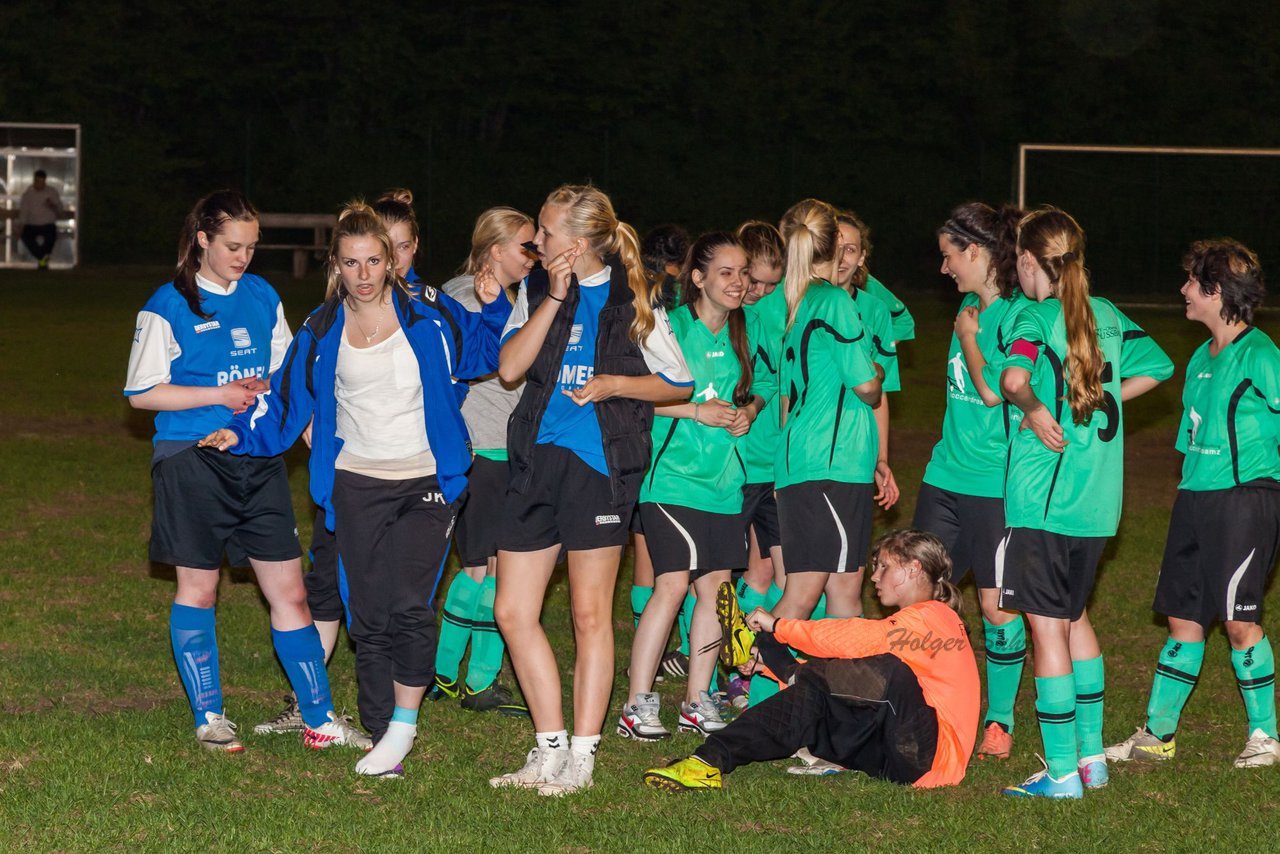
(736, 639)
(684, 775)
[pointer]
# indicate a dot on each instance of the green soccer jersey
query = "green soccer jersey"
(1076, 493)
(760, 445)
(1231, 414)
(695, 465)
(904, 325)
(971, 457)
(881, 344)
(830, 434)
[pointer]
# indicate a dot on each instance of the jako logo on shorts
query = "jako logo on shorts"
(240, 337)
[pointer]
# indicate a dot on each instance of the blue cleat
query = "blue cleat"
(1093, 772)
(1041, 785)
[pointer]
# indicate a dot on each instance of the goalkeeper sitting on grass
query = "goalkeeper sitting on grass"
(895, 698)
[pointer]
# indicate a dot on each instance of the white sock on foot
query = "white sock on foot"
(585, 746)
(387, 753)
(556, 740)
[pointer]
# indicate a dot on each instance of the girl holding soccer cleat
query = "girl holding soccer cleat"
(691, 500)
(1225, 528)
(962, 497)
(596, 354)
(1074, 360)
(203, 347)
(389, 455)
(497, 251)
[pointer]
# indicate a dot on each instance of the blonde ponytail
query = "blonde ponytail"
(811, 235)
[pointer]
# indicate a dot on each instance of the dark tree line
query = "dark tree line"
(704, 114)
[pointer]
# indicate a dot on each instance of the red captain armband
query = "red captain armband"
(1023, 347)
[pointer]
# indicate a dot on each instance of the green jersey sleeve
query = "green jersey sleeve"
(880, 342)
(904, 325)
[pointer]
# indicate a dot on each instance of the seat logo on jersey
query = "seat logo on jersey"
(575, 334)
(240, 338)
(205, 327)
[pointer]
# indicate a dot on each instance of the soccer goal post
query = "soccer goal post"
(1141, 205)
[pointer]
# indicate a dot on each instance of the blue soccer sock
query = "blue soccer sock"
(195, 650)
(302, 655)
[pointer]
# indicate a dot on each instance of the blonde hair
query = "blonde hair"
(360, 220)
(589, 214)
(908, 544)
(1056, 241)
(493, 227)
(811, 235)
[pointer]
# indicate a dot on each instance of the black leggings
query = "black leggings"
(865, 714)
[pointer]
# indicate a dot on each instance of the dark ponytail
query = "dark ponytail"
(995, 231)
(209, 215)
(699, 258)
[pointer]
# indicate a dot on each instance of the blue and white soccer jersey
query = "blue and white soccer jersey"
(567, 424)
(246, 335)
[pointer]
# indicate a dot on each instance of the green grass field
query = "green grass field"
(96, 750)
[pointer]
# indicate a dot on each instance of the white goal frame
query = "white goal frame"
(1024, 147)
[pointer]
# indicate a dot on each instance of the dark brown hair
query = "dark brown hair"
(209, 215)
(699, 258)
(1230, 268)
(995, 231)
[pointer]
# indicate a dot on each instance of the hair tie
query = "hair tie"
(1068, 257)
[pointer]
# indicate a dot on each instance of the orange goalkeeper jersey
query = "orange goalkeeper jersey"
(930, 638)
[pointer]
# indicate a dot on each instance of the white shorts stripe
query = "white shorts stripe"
(844, 537)
(693, 549)
(1235, 583)
(1000, 552)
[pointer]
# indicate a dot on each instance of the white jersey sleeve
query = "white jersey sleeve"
(154, 348)
(662, 351)
(519, 312)
(281, 338)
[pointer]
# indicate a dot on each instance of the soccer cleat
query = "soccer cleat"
(337, 730)
(684, 775)
(289, 719)
(1041, 785)
(701, 716)
(675, 663)
(1259, 751)
(541, 766)
(640, 720)
(218, 733)
(736, 638)
(812, 766)
(996, 742)
(1142, 746)
(495, 698)
(444, 688)
(574, 776)
(1093, 771)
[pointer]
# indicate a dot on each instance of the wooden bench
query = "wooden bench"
(320, 225)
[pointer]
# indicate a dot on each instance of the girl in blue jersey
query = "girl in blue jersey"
(375, 367)
(962, 497)
(596, 355)
(202, 350)
(1074, 359)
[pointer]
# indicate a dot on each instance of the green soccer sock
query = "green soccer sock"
(820, 609)
(486, 642)
(684, 618)
(772, 597)
(1006, 653)
(748, 598)
(1056, 710)
(1090, 690)
(640, 597)
(1256, 675)
(455, 624)
(1177, 670)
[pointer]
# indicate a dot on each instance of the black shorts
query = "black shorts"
(208, 503)
(1221, 546)
(324, 593)
(1047, 574)
(825, 525)
(971, 527)
(480, 522)
(682, 538)
(567, 503)
(760, 514)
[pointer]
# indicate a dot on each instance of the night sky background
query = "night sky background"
(704, 114)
